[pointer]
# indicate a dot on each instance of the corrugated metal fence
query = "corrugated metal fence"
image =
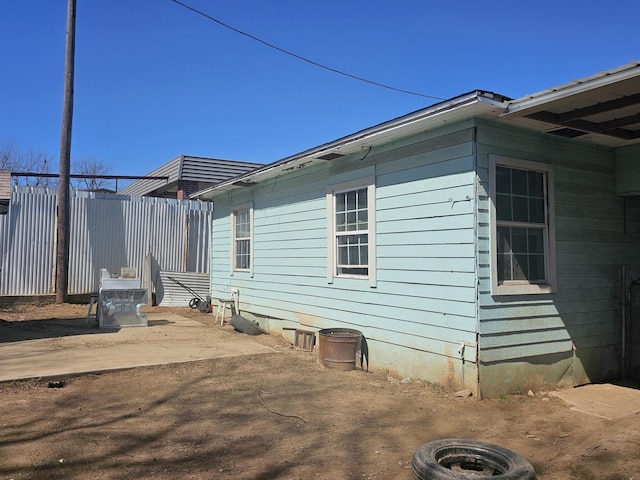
(107, 231)
(171, 294)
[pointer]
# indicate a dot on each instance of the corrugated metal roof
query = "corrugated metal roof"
(211, 170)
(142, 187)
(204, 170)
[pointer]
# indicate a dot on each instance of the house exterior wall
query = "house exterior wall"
(572, 336)
(628, 170)
(431, 312)
(419, 317)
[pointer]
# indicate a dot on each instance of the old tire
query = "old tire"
(459, 459)
(245, 326)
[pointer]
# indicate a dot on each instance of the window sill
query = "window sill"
(523, 289)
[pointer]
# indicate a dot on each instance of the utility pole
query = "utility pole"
(62, 246)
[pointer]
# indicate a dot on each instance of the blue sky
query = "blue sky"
(155, 80)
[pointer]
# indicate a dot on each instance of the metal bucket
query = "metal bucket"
(338, 347)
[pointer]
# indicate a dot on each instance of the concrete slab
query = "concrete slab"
(602, 400)
(168, 339)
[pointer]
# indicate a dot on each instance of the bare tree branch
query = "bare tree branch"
(90, 166)
(30, 160)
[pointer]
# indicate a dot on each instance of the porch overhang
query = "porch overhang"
(602, 109)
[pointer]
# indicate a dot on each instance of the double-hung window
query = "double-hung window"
(351, 218)
(352, 232)
(523, 238)
(242, 244)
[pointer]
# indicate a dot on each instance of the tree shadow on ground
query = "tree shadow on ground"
(21, 330)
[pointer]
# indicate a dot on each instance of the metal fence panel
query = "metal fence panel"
(27, 236)
(171, 294)
(106, 231)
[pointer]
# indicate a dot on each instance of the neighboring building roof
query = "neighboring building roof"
(602, 109)
(204, 171)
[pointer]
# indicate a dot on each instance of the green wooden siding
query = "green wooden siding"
(573, 335)
(424, 301)
(433, 277)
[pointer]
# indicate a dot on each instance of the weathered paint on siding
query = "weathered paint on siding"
(572, 336)
(424, 302)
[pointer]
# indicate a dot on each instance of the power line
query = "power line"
(287, 52)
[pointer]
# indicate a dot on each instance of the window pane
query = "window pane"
(520, 254)
(519, 240)
(364, 250)
(343, 254)
(503, 180)
(519, 182)
(352, 216)
(520, 209)
(521, 198)
(351, 200)
(243, 230)
(242, 234)
(504, 267)
(362, 220)
(352, 222)
(243, 223)
(352, 250)
(242, 254)
(536, 240)
(362, 198)
(536, 268)
(503, 207)
(504, 240)
(520, 267)
(354, 255)
(526, 202)
(536, 210)
(536, 184)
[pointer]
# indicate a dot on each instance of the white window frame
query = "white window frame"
(235, 239)
(524, 287)
(332, 235)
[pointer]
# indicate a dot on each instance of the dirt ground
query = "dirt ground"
(279, 415)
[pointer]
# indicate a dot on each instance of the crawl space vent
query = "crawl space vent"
(331, 156)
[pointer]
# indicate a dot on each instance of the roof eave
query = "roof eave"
(424, 119)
